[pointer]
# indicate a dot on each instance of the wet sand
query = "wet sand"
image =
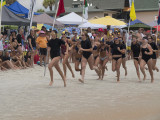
(25, 95)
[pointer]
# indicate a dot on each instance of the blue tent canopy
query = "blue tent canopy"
(135, 21)
(19, 9)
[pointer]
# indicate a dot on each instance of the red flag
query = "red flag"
(61, 8)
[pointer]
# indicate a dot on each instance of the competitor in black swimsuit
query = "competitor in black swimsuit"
(154, 56)
(117, 51)
(66, 56)
(146, 51)
(54, 49)
(87, 56)
(78, 56)
(123, 55)
(135, 52)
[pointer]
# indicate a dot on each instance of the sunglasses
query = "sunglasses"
(115, 38)
(83, 35)
(63, 34)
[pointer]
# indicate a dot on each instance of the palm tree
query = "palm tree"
(9, 2)
(48, 3)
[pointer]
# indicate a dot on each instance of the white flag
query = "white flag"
(85, 10)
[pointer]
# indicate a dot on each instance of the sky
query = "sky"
(39, 5)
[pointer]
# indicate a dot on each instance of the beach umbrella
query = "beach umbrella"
(139, 25)
(156, 27)
(108, 21)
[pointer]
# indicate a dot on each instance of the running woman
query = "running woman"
(117, 51)
(135, 52)
(54, 48)
(103, 55)
(146, 51)
(155, 50)
(66, 56)
(87, 56)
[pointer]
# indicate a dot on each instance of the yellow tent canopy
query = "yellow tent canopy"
(39, 26)
(107, 21)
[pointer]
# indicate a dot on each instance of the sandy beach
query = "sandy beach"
(25, 95)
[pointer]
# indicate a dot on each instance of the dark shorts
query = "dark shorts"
(43, 51)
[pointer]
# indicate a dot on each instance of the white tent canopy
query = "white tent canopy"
(72, 19)
(96, 26)
(153, 23)
(92, 26)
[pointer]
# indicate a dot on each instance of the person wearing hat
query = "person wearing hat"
(146, 52)
(87, 56)
(104, 56)
(117, 51)
(155, 50)
(42, 44)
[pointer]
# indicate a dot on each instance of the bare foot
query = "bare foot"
(82, 81)
(73, 75)
(152, 80)
(157, 70)
(125, 72)
(106, 68)
(139, 79)
(51, 83)
(118, 80)
(144, 77)
(64, 80)
(65, 85)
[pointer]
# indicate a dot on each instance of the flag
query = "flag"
(4, 3)
(132, 12)
(85, 10)
(159, 14)
(60, 8)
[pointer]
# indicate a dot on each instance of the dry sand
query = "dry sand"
(25, 95)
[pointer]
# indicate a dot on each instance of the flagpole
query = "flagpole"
(82, 14)
(1, 16)
(157, 23)
(31, 20)
(55, 17)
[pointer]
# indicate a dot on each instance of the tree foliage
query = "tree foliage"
(48, 3)
(9, 2)
(40, 10)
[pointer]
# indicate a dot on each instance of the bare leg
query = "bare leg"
(149, 63)
(113, 65)
(51, 64)
(124, 65)
(154, 61)
(69, 67)
(77, 65)
(118, 65)
(142, 67)
(64, 65)
(136, 64)
(83, 63)
(103, 67)
(61, 74)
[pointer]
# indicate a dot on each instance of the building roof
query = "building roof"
(79, 10)
(146, 5)
(109, 4)
(140, 5)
